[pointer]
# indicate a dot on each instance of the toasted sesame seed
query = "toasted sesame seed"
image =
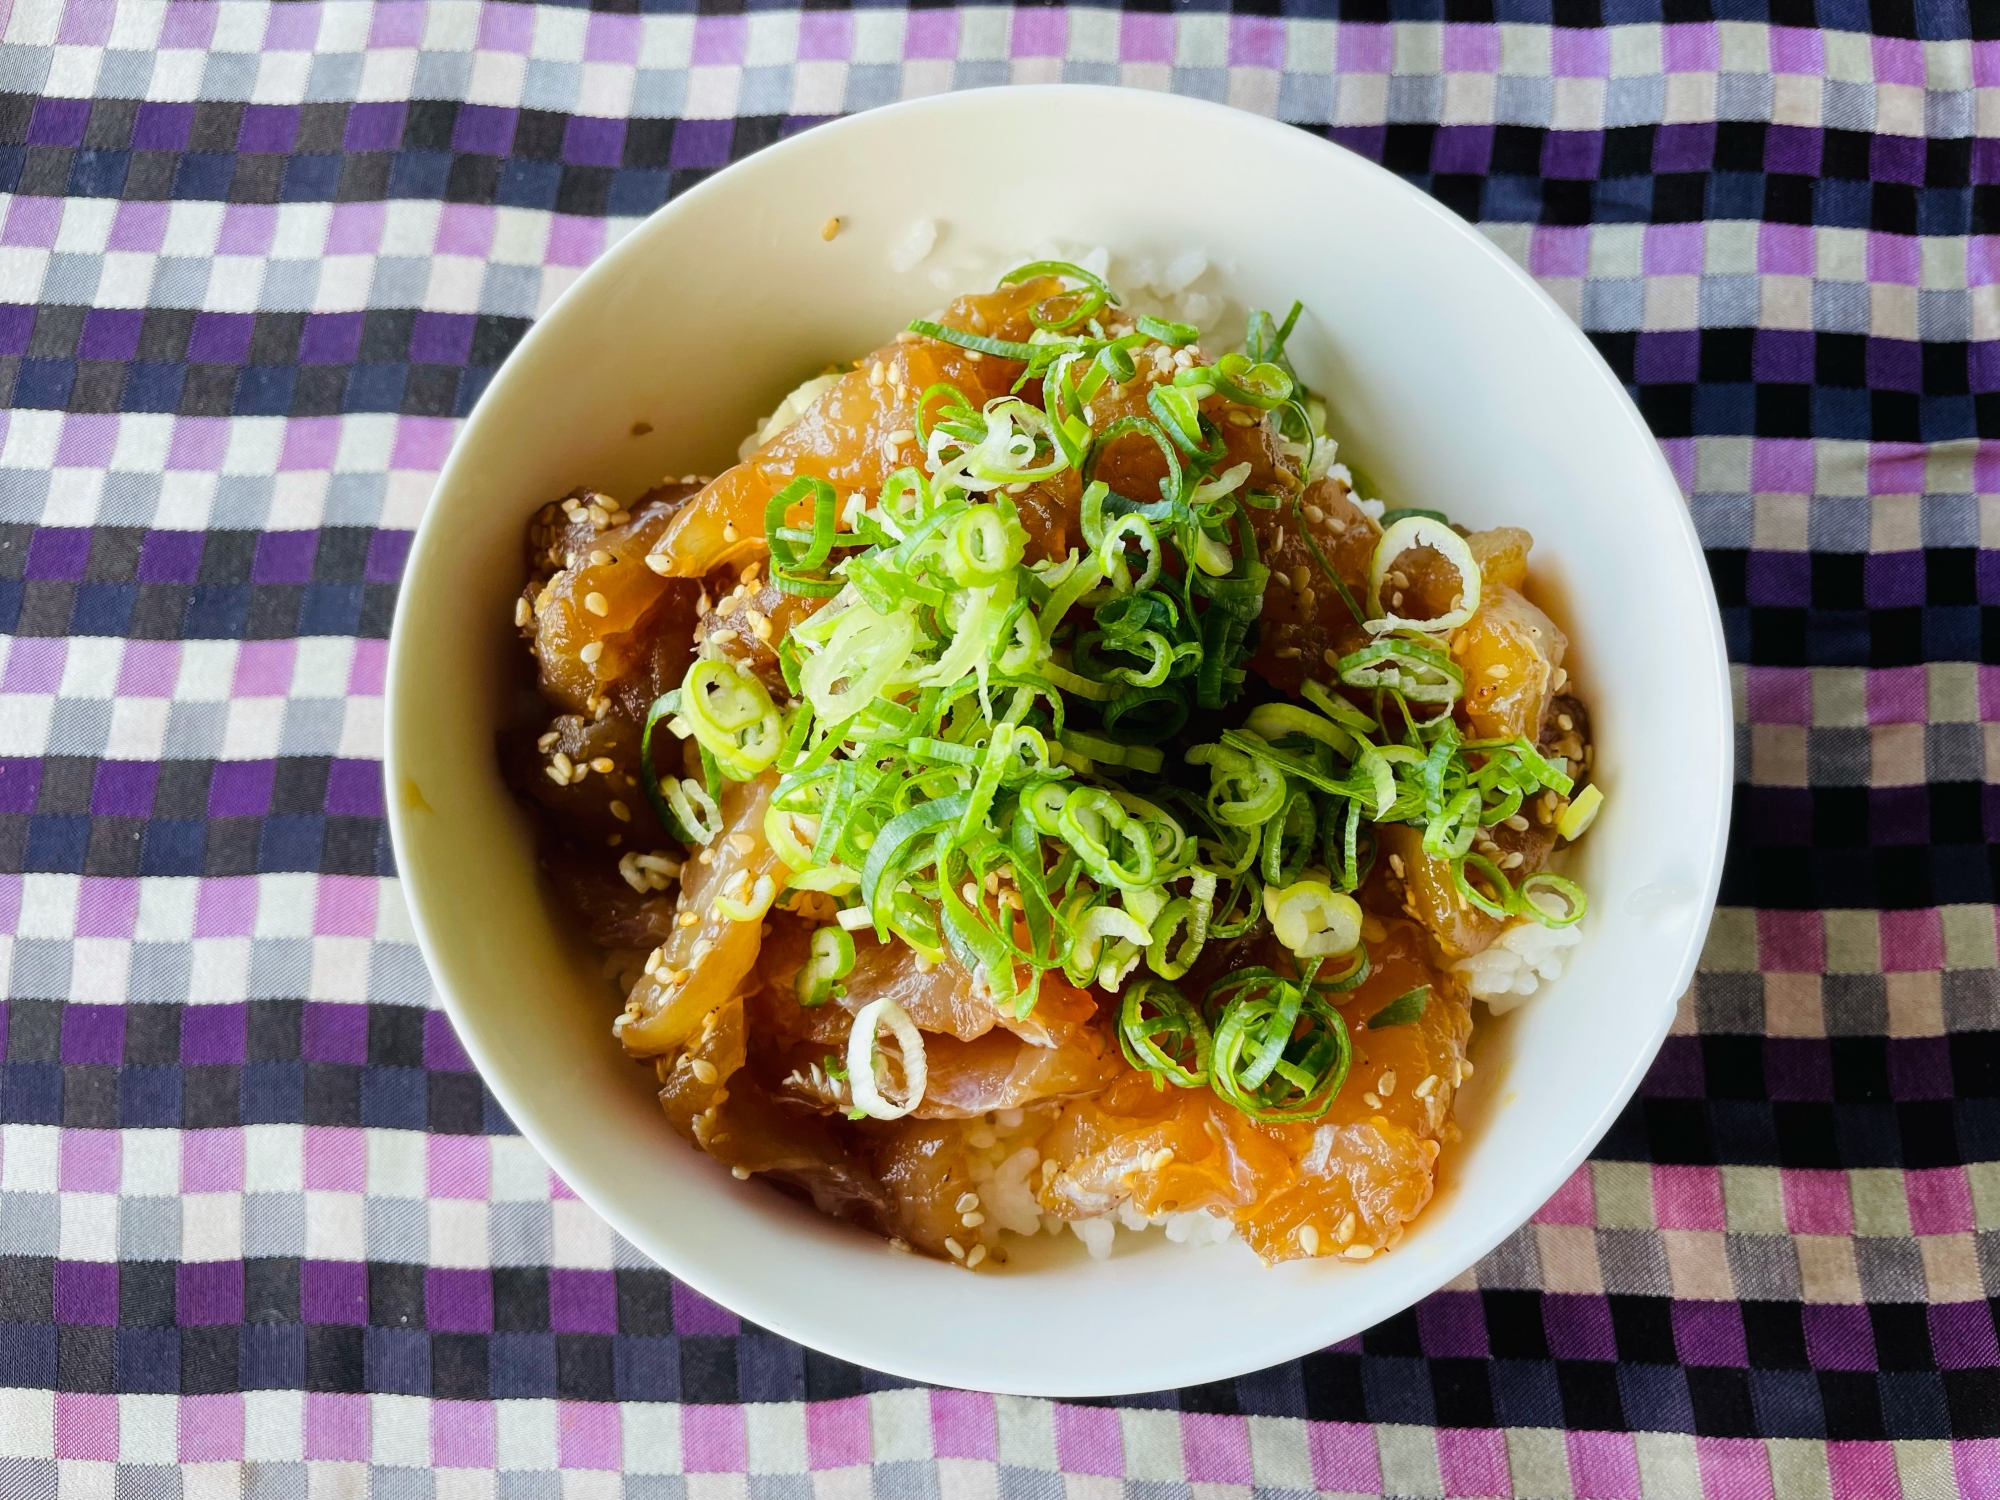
(701, 949)
(729, 531)
(1497, 671)
(547, 742)
(978, 1254)
(1240, 418)
(1346, 1230)
(1330, 656)
(1518, 823)
(599, 558)
(1565, 723)
(620, 811)
(1308, 599)
(742, 843)
(954, 1248)
(1288, 653)
(1560, 681)
(1465, 1067)
(1396, 864)
(562, 764)
(557, 774)
(1425, 1089)
(1314, 514)
(522, 614)
(972, 1220)
(1308, 1238)
(1371, 1101)
(704, 1070)
(591, 652)
(1386, 1084)
(1300, 578)
(877, 374)
(967, 1202)
(603, 765)
(1396, 600)
(660, 563)
(829, 229)
(1514, 861)
(1162, 1159)
(741, 1174)
(1359, 1252)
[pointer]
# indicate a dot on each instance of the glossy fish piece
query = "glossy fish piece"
(844, 438)
(1001, 1071)
(750, 620)
(1302, 623)
(1372, 1154)
(617, 915)
(584, 808)
(706, 961)
(711, 1100)
(923, 1168)
(1509, 651)
(943, 998)
(1375, 1153)
(606, 597)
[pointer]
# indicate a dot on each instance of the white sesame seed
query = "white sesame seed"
(741, 1174)
(1314, 514)
(1518, 823)
(703, 1070)
(599, 558)
(1497, 671)
(1396, 864)
(1308, 1238)
(1386, 1084)
(660, 563)
(1371, 1101)
(967, 1202)
(1359, 1252)
(547, 742)
(620, 811)
(1425, 1089)
(978, 1254)
(522, 614)
(604, 765)
(878, 374)
(557, 774)
(729, 531)
(589, 654)
(1346, 1230)
(972, 1220)
(954, 1248)
(1560, 681)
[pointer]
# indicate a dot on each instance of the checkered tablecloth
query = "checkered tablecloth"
(263, 1233)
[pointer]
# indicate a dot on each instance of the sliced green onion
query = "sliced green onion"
(732, 716)
(1401, 1011)
(831, 961)
(1313, 919)
(1422, 531)
(1280, 1052)
(1160, 1032)
(1580, 814)
(1423, 674)
(1173, 335)
(1539, 893)
(867, 1068)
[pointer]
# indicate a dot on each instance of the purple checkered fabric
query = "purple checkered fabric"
(263, 1233)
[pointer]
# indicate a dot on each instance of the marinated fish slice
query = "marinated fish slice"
(1509, 651)
(1304, 616)
(943, 997)
(583, 774)
(712, 1101)
(707, 959)
(1001, 1071)
(605, 613)
(857, 433)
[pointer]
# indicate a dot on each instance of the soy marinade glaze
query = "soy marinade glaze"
(1063, 1101)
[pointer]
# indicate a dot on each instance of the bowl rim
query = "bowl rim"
(1219, 1363)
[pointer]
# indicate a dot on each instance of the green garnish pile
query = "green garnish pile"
(969, 758)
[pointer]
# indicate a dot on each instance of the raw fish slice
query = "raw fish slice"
(713, 1102)
(605, 596)
(706, 961)
(1509, 651)
(1000, 1071)
(1304, 615)
(944, 998)
(844, 438)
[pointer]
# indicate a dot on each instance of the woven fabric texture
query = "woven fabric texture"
(263, 1233)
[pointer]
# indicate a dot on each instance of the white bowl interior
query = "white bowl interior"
(1451, 378)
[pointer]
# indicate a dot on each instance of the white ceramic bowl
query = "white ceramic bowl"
(1453, 379)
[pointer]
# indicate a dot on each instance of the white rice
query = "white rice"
(1517, 962)
(914, 247)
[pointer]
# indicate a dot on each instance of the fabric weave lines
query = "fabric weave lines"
(262, 1231)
